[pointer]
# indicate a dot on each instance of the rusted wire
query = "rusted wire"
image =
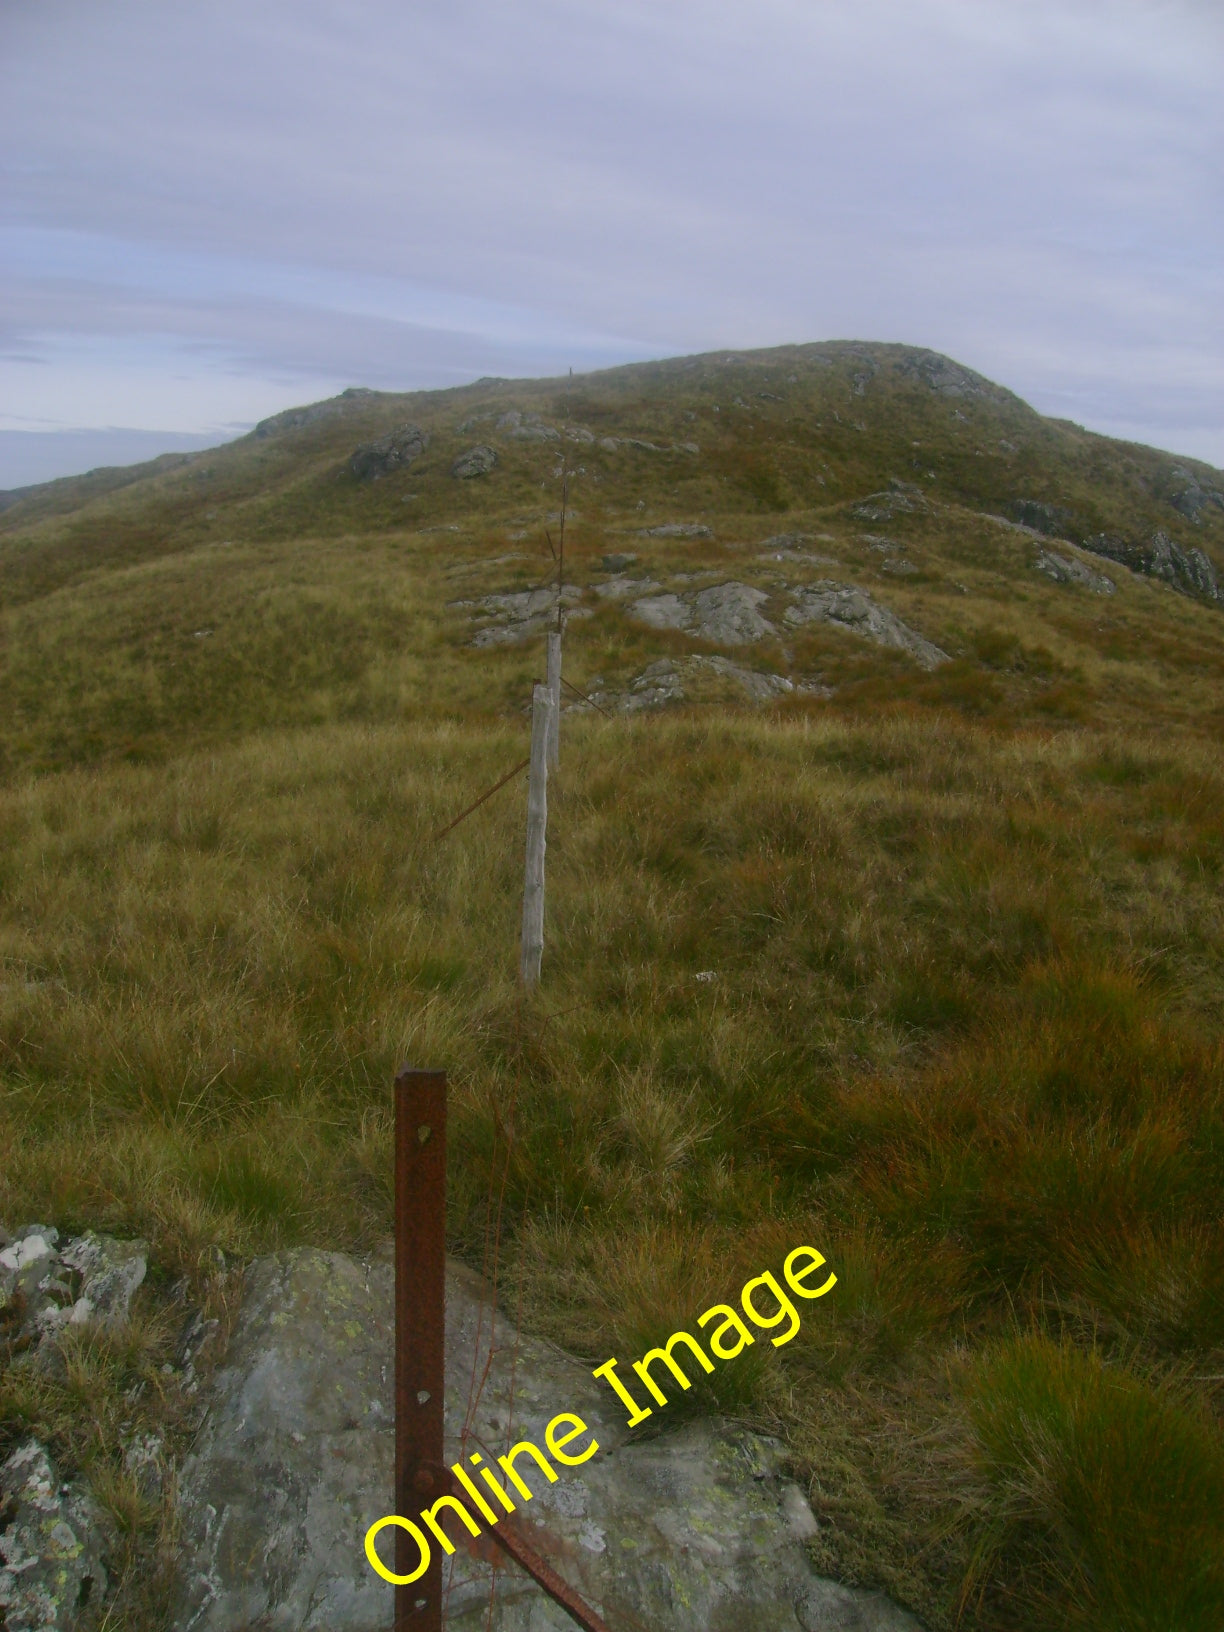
(476, 804)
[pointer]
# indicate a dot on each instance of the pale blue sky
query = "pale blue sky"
(210, 213)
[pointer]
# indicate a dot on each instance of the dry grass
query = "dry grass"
(964, 932)
(963, 1035)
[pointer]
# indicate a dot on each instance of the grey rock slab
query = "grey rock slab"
(472, 462)
(697, 1530)
(52, 1538)
(621, 588)
(663, 612)
(1065, 569)
(727, 614)
(846, 607)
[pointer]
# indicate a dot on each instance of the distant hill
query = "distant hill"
(1064, 574)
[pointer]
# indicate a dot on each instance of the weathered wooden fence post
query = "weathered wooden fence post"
(537, 824)
(554, 698)
(420, 1330)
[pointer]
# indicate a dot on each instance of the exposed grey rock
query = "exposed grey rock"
(617, 562)
(1192, 497)
(727, 614)
(849, 608)
(884, 506)
(678, 529)
(949, 379)
(1051, 520)
(389, 453)
(296, 419)
(519, 614)
(898, 568)
(663, 612)
(52, 1540)
(536, 433)
(477, 461)
(609, 444)
(621, 588)
(698, 1530)
(1189, 571)
(724, 613)
(1065, 569)
(579, 433)
(90, 1280)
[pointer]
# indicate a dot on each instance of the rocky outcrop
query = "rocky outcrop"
(53, 1536)
(45, 1287)
(678, 529)
(942, 375)
(671, 680)
(899, 498)
(846, 607)
(725, 614)
(1189, 571)
(1051, 520)
(518, 615)
(389, 453)
(1192, 498)
(477, 461)
(298, 419)
(52, 1540)
(1066, 569)
(697, 1530)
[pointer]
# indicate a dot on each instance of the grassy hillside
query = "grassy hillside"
(922, 965)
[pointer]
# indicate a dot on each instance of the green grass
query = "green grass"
(964, 1026)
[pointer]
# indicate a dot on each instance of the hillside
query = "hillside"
(883, 912)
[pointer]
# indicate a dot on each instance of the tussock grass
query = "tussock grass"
(963, 1034)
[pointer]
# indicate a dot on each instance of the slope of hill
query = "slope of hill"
(883, 912)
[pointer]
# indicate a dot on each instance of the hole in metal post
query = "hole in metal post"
(423, 1133)
(422, 1396)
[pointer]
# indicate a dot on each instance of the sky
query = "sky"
(211, 213)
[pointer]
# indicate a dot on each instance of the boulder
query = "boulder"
(477, 461)
(697, 1530)
(389, 453)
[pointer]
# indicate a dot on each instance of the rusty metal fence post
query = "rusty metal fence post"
(420, 1327)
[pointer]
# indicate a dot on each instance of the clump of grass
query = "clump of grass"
(1110, 1490)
